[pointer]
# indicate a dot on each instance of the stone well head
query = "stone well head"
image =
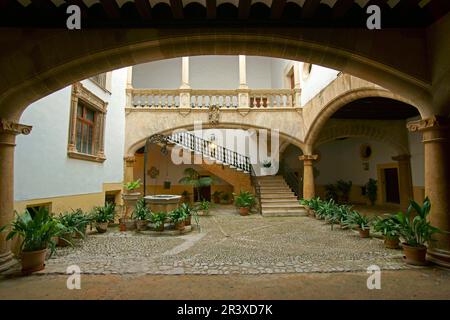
(162, 202)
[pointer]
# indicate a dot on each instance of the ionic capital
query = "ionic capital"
(308, 158)
(14, 128)
(432, 123)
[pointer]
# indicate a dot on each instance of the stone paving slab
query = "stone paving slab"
(230, 244)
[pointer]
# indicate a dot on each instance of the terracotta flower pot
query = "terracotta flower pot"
(64, 242)
(244, 211)
(78, 236)
(180, 225)
(101, 227)
(33, 261)
(364, 233)
(391, 243)
(141, 225)
(160, 228)
(415, 255)
(130, 224)
(187, 221)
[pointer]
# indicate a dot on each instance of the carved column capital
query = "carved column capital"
(434, 122)
(308, 159)
(129, 161)
(402, 158)
(14, 128)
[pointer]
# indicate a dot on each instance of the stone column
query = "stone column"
(129, 169)
(404, 179)
(243, 91)
(185, 88)
(437, 182)
(308, 175)
(8, 132)
(297, 85)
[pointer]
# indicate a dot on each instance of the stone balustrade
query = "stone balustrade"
(239, 98)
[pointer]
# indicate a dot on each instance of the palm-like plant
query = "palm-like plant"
(356, 219)
(245, 200)
(105, 213)
(37, 232)
(193, 178)
(141, 211)
(158, 219)
(416, 231)
(388, 226)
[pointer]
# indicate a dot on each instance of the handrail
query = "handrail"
(219, 153)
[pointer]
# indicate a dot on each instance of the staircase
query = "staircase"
(277, 198)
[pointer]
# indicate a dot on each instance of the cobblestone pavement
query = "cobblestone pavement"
(230, 244)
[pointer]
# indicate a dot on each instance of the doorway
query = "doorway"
(205, 192)
(391, 190)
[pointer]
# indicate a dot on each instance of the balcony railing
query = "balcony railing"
(199, 99)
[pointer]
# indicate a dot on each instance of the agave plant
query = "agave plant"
(416, 231)
(326, 209)
(37, 232)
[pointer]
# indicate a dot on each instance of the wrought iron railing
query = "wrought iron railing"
(219, 153)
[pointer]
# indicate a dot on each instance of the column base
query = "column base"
(7, 261)
(439, 257)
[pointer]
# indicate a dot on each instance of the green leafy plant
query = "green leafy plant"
(416, 230)
(356, 219)
(388, 226)
(141, 211)
(133, 185)
(371, 190)
(178, 215)
(158, 218)
(74, 222)
(344, 188)
(244, 200)
(326, 209)
(192, 177)
(105, 213)
(331, 192)
(226, 197)
(267, 163)
(37, 232)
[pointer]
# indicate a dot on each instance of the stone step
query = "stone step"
(275, 188)
(281, 205)
(277, 192)
(284, 213)
(280, 201)
(278, 196)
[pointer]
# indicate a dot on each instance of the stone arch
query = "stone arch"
(50, 60)
(318, 122)
(358, 129)
(136, 145)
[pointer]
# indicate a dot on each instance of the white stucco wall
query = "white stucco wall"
(42, 167)
(341, 160)
(318, 79)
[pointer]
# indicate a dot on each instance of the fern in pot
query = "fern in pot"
(73, 227)
(178, 218)
(416, 231)
(37, 234)
(360, 222)
(141, 214)
(244, 202)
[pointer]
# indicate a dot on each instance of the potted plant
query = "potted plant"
(158, 219)
(82, 220)
(416, 231)
(188, 211)
(185, 197)
(203, 208)
(130, 198)
(371, 191)
(244, 201)
(389, 227)
(226, 198)
(37, 234)
(361, 222)
(178, 217)
(216, 196)
(102, 216)
(193, 178)
(266, 168)
(344, 188)
(141, 214)
(72, 226)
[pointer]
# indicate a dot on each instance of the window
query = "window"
(32, 209)
(100, 80)
(86, 135)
